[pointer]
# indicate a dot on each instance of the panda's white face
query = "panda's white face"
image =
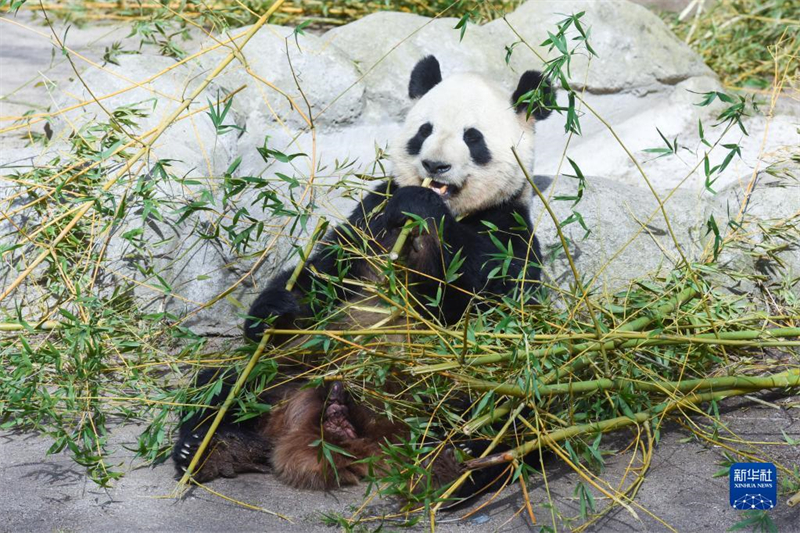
(459, 134)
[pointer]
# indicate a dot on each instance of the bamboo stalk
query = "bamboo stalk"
(496, 414)
(14, 326)
(586, 348)
(401, 239)
(564, 246)
(166, 123)
(603, 426)
(237, 387)
(790, 378)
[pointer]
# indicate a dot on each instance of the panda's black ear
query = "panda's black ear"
(529, 81)
(424, 77)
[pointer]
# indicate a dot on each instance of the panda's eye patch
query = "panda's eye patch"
(414, 145)
(472, 136)
(477, 146)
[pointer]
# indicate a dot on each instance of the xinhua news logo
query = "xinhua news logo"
(754, 486)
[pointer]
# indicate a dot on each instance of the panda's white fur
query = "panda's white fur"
(460, 102)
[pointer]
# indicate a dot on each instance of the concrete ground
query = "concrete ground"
(51, 493)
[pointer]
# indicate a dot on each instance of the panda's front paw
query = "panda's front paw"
(273, 302)
(420, 201)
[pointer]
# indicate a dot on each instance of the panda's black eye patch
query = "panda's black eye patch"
(477, 146)
(414, 145)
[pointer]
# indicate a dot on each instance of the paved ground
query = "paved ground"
(39, 493)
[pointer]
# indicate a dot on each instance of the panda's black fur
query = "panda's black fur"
(280, 441)
(425, 257)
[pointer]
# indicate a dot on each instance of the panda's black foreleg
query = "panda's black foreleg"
(424, 252)
(274, 304)
(430, 253)
(275, 307)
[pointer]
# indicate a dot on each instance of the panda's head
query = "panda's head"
(460, 132)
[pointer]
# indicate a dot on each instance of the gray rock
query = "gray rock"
(637, 119)
(278, 65)
(767, 244)
(635, 49)
(665, 5)
(629, 237)
(191, 143)
(16, 251)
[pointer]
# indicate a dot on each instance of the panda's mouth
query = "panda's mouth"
(445, 190)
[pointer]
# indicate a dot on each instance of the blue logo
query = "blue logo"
(754, 486)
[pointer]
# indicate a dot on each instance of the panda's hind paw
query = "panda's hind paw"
(185, 450)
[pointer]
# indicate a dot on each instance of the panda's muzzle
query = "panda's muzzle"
(435, 168)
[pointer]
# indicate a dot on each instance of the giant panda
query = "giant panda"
(459, 133)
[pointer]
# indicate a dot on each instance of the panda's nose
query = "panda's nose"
(435, 168)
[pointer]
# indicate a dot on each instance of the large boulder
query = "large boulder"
(282, 73)
(635, 49)
(760, 221)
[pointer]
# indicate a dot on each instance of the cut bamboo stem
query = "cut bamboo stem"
(237, 387)
(497, 413)
(394, 255)
(586, 348)
(15, 326)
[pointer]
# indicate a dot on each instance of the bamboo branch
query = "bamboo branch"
(401, 239)
(586, 348)
(15, 326)
(564, 245)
